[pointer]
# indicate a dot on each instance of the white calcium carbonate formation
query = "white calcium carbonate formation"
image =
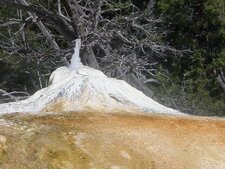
(87, 89)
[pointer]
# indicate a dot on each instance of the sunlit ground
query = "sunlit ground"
(116, 141)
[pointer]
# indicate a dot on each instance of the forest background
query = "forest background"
(174, 48)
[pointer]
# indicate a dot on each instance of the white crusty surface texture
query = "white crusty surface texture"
(87, 89)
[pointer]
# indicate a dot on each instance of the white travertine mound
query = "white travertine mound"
(87, 89)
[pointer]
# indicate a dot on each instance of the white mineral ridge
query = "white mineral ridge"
(87, 89)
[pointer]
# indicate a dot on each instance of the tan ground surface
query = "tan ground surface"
(111, 141)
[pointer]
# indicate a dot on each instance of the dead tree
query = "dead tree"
(118, 38)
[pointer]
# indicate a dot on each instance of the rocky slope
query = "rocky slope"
(85, 120)
(87, 140)
(86, 89)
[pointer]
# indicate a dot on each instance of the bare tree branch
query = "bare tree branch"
(221, 79)
(60, 12)
(41, 27)
(8, 94)
(10, 22)
(117, 37)
(60, 23)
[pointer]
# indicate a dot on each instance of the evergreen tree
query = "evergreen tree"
(200, 27)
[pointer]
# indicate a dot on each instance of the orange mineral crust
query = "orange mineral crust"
(115, 141)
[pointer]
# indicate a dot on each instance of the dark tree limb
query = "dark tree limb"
(61, 25)
(10, 22)
(221, 79)
(71, 7)
(88, 58)
(41, 26)
(87, 55)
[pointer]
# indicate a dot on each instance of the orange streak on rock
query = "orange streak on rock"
(101, 140)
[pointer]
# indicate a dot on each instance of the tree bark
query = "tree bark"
(88, 58)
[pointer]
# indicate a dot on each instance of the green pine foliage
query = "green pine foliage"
(185, 97)
(200, 27)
